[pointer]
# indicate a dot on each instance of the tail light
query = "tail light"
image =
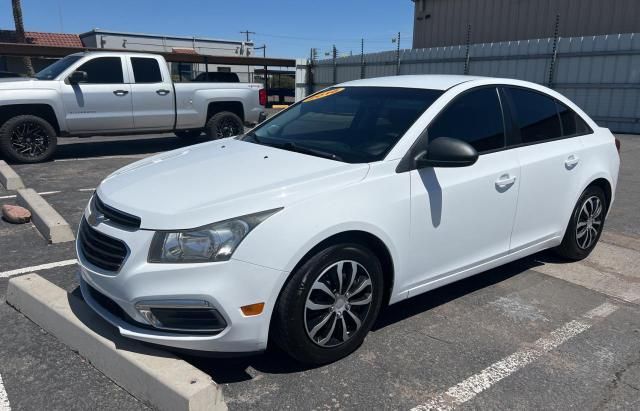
(262, 95)
(618, 145)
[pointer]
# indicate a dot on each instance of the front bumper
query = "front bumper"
(225, 286)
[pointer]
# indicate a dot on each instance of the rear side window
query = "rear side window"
(146, 70)
(103, 70)
(572, 123)
(474, 117)
(536, 115)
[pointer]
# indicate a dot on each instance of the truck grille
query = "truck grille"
(116, 217)
(101, 250)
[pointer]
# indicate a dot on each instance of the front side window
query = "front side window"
(536, 115)
(146, 70)
(475, 117)
(103, 70)
(350, 124)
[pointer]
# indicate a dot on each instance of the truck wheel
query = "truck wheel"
(27, 139)
(188, 134)
(224, 124)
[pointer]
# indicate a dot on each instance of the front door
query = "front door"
(462, 217)
(102, 103)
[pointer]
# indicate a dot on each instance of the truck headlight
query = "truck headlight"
(214, 242)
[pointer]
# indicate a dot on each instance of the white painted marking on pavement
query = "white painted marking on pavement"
(474, 385)
(44, 193)
(106, 157)
(4, 400)
(86, 189)
(37, 268)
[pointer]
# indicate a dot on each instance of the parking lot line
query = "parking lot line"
(36, 268)
(44, 193)
(4, 400)
(106, 157)
(474, 385)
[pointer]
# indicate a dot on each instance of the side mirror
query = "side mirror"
(78, 77)
(446, 152)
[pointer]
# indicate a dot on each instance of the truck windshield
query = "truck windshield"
(54, 70)
(350, 124)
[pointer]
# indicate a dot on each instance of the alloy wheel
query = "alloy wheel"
(227, 127)
(589, 222)
(338, 303)
(29, 139)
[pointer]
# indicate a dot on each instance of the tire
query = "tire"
(188, 134)
(30, 133)
(586, 224)
(224, 124)
(299, 331)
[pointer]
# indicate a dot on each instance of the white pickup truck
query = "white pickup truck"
(107, 93)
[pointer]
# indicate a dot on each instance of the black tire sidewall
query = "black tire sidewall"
(569, 247)
(5, 139)
(290, 332)
(213, 122)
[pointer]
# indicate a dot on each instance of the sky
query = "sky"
(289, 28)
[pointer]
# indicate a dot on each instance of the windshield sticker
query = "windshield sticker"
(324, 94)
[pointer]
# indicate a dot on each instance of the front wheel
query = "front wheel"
(27, 139)
(585, 226)
(329, 305)
(224, 124)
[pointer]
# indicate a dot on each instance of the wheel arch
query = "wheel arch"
(44, 111)
(235, 107)
(605, 185)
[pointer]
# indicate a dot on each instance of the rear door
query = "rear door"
(550, 161)
(462, 217)
(153, 99)
(103, 102)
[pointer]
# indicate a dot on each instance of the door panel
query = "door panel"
(103, 102)
(462, 217)
(153, 99)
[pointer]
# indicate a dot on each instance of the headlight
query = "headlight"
(214, 242)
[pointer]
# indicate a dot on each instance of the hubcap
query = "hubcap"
(29, 139)
(589, 222)
(338, 303)
(227, 127)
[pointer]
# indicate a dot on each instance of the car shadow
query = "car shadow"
(82, 148)
(275, 361)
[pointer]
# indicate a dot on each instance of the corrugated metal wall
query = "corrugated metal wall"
(601, 73)
(446, 22)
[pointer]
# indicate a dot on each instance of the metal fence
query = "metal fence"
(599, 73)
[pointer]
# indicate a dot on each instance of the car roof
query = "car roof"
(426, 81)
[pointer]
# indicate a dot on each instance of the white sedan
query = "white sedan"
(362, 195)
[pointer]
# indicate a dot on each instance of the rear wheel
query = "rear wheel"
(585, 226)
(224, 124)
(28, 139)
(329, 305)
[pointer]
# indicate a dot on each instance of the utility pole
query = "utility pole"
(362, 58)
(335, 64)
(247, 32)
(398, 55)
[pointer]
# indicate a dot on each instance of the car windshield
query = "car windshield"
(54, 70)
(350, 124)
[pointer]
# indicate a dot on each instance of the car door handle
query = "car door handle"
(571, 161)
(505, 181)
(121, 93)
(162, 92)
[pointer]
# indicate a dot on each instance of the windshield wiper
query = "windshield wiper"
(307, 150)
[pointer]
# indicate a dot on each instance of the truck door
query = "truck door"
(153, 99)
(101, 103)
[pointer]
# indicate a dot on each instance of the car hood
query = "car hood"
(210, 182)
(18, 83)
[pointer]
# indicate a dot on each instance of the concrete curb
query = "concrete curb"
(47, 220)
(153, 376)
(9, 178)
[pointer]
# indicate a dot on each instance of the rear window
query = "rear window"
(536, 115)
(146, 70)
(572, 123)
(355, 124)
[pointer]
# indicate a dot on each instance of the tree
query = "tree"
(20, 36)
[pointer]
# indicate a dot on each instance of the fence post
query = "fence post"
(467, 61)
(335, 64)
(362, 58)
(554, 52)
